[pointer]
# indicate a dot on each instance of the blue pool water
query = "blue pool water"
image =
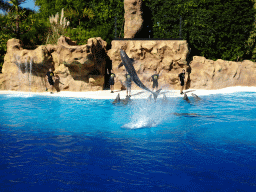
(72, 144)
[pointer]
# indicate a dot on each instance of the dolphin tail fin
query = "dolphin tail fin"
(155, 94)
(150, 97)
(120, 65)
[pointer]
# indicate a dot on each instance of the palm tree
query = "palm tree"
(17, 14)
(4, 6)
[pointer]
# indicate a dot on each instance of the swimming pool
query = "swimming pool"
(75, 144)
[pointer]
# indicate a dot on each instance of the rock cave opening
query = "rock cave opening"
(108, 69)
(147, 26)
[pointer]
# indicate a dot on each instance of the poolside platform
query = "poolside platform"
(136, 94)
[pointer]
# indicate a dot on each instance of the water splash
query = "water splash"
(24, 72)
(26, 65)
(146, 114)
(30, 73)
(21, 94)
(18, 63)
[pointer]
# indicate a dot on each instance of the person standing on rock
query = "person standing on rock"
(50, 76)
(128, 84)
(112, 82)
(182, 80)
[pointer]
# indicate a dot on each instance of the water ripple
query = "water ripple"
(72, 146)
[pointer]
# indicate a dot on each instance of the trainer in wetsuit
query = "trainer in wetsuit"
(112, 82)
(128, 84)
(155, 81)
(50, 76)
(182, 80)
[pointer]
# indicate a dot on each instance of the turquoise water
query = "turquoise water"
(72, 144)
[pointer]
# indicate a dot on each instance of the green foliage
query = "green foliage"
(4, 36)
(214, 28)
(250, 44)
(36, 31)
(81, 35)
(99, 19)
(88, 19)
(58, 25)
(32, 27)
(4, 5)
(88, 13)
(108, 12)
(16, 4)
(32, 30)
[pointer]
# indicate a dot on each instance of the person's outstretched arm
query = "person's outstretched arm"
(161, 72)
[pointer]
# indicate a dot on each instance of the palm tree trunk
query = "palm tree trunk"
(17, 28)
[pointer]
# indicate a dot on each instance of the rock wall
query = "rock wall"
(151, 56)
(133, 18)
(80, 67)
(209, 74)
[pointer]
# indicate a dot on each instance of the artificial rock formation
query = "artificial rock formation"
(133, 18)
(151, 56)
(209, 74)
(80, 67)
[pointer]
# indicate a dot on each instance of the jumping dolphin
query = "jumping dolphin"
(127, 62)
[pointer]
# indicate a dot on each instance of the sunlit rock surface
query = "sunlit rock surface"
(83, 67)
(209, 74)
(151, 56)
(80, 67)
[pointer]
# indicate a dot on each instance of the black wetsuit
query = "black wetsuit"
(182, 77)
(155, 80)
(128, 80)
(112, 79)
(50, 75)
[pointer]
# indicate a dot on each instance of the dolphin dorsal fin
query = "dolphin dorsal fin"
(121, 64)
(132, 60)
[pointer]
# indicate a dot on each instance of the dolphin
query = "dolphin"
(196, 97)
(123, 101)
(117, 100)
(187, 114)
(186, 98)
(191, 115)
(150, 97)
(165, 100)
(127, 62)
(126, 100)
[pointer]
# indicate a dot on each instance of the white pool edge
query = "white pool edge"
(136, 94)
